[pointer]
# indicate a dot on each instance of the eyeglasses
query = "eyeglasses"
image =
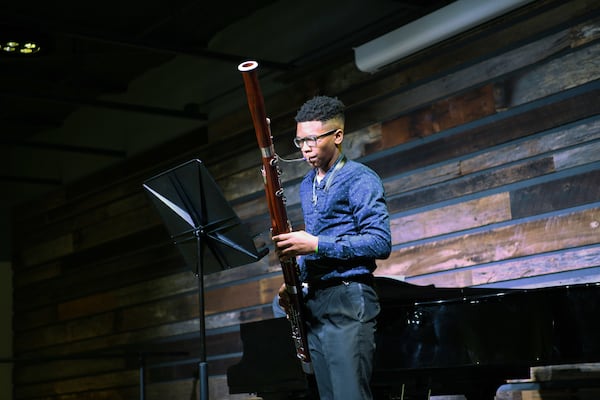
(311, 141)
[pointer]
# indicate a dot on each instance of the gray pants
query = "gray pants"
(341, 338)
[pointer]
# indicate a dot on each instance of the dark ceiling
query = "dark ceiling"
(108, 70)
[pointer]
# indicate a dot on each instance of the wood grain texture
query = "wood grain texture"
(489, 153)
(568, 230)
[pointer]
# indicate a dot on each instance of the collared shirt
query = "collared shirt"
(347, 211)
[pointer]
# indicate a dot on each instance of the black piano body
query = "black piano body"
(441, 341)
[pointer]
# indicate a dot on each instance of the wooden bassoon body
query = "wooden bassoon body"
(276, 202)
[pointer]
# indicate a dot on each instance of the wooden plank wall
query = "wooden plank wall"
(489, 147)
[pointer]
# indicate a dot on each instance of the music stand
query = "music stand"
(204, 227)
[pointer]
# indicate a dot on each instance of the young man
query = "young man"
(346, 229)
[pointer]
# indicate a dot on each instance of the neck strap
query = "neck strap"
(329, 176)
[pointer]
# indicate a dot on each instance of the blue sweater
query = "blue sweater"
(348, 212)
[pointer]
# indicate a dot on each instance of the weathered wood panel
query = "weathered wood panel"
(173, 351)
(154, 304)
(562, 193)
(517, 268)
(569, 230)
(453, 218)
(471, 184)
(479, 138)
(581, 131)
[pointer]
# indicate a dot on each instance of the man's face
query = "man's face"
(319, 142)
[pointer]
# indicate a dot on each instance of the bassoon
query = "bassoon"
(276, 202)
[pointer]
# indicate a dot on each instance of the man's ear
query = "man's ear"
(338, 137)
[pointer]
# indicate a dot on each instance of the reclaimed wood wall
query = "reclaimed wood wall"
(489, 147)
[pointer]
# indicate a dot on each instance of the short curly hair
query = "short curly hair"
(321, 108)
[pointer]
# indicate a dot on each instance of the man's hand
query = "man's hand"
(284, 299)
(295, 243)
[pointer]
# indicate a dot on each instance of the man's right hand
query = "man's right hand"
(295, 243)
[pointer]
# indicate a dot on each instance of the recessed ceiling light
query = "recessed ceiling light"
(28, 47)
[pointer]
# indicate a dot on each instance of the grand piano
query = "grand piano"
(440, 341)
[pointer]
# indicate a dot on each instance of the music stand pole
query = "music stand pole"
(142, 360)
(202, 365)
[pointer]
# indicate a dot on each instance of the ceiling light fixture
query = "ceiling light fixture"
(433, 28)
(19, 47)
(21, 40)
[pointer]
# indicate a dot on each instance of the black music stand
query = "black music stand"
(204, 227)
